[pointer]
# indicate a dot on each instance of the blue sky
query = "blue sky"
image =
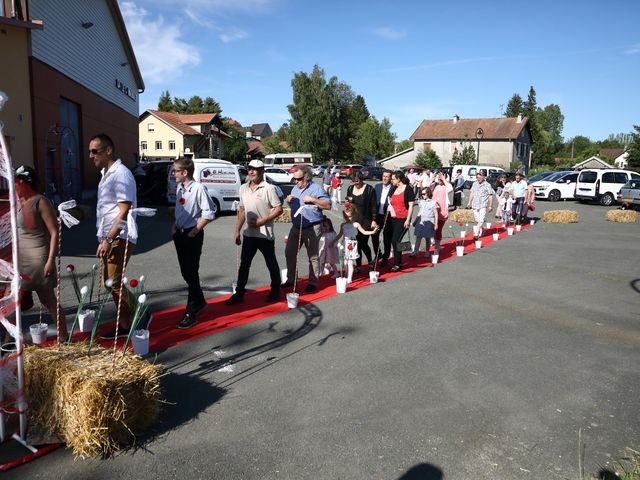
(410, 60)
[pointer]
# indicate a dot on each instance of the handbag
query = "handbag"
(404, 246)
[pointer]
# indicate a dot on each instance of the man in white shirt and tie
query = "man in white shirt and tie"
(382, 196)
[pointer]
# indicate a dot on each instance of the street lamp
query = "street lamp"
(479, 135)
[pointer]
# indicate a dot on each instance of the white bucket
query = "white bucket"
(140, 342)
(509, 230)
(518, 227)
(532, 222)
(476, 229)
(283, 275)
(374, 277)
(292, 299)
(463, 233)
(459, 250)
(495, 237)
(487, 225)
(434, 258)
(86, 319)
(478, 244)
(39, 333)
(341, 284)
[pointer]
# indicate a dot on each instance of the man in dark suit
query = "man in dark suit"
(383, 194)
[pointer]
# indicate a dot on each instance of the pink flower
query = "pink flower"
(350, 247)
(347, 204)
(285, 239)
(70, 268)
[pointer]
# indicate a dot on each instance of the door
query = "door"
(70, 150)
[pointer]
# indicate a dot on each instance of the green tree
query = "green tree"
(530, 107)
(403, 145)
(235, 147)
(551, 119)
(194, 105)
(634, 150)
(466, 157)
(514, 106)
(428, 159)
(272, 145)
(209, 105)
(164, 103)
(282, 133)
(179, 105)
(373, 139)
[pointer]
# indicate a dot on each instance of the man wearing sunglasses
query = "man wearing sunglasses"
(116, 196)
(306, 225)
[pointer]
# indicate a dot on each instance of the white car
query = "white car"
(278, 175)
(556, 186)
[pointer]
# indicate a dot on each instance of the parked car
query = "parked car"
(347, 170)
(629, 195)
(151, 180)
(372, 173)
(278, 175)
(556, 186)
(318, 170)
(540, 176)
(602, 185)
(469, 172)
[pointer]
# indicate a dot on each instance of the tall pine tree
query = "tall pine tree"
(164, 103)
(514, 106)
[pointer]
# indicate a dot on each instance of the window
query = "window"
(588, 177)
(426, 146)
(143, 145)
(151, 127)
(620, 177)
(608, 177)
(635, 176)
(158, 145)
(472, 171)
(172, 144)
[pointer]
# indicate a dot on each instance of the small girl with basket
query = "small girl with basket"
(426, 222)
(349, 230)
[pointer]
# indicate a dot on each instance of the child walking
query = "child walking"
(349, 230)
(336, 187)
(505, 204)
(426, 222)
(328, 254)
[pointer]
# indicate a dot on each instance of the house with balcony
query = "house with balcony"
(169, 135)
(496, 141)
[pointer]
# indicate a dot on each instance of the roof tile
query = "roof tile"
(494, 129)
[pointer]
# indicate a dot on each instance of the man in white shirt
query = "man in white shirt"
(382, 196)
(518, 193)
(116, 196)
(194, 210)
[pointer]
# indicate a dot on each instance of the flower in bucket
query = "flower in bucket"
(140, 311)
(458, 241)
(74, 279)
(84, 292)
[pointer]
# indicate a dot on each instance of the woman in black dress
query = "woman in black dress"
(363, 197)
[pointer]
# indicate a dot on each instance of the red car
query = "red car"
(347, 170)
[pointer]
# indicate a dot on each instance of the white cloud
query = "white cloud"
(389, 33)
(633, 49)
(157, 45)
(233, 35)
(445, 63)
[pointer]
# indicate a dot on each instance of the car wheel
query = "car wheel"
(216, 208)
(554, 195)
(606, 199)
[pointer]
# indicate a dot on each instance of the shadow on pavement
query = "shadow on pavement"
(635, 284)
(423, 471)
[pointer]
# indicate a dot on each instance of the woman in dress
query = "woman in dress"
(441, 196)
(363, 197)
(38, 240)
(401, 209)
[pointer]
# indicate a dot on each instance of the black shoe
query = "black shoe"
(235, 299)
(311, 288)
(188, 321)
(475, 237)
(396, 268)
(286, 285)
(273, 296)
(121, 333)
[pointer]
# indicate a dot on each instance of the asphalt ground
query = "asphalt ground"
(494, 365)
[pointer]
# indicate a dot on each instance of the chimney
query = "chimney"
(455, 119)
(519, 118)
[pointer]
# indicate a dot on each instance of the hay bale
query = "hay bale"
(622, 216)
(560, 216)
(462, 215)
(285, 216)
(78, 397)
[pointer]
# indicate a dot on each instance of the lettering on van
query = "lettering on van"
(217, 175)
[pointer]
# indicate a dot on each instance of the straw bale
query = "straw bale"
(622, 216)
(560, 216)
(78, 397)
(463, 215)
(285, 216)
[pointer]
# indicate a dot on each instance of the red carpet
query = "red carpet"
(218, 316)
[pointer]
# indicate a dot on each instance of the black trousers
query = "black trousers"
(189, 250)
(250, 246)
(457, 198)
(398, 231)
(386, 237)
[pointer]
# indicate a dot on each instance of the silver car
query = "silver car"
(629, 194)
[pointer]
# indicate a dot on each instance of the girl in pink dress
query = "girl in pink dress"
(441, 196)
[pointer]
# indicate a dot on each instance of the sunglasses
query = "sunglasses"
(297, 179)
(95, 151)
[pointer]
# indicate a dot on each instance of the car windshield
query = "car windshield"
(540, 176)
(632, 184)
(554, 176)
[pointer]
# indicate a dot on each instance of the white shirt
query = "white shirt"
(192, 202)
(117, 185)
(383, 198)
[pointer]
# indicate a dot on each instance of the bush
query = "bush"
(428, 159)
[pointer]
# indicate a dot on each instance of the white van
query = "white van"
(469, 172)
(221, 179)
(602, 185)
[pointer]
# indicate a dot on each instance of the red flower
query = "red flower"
(350, 247)
(133, 283)
(70, 267)
(461, 224)
(285, 239)
(347, 204)
(181, 201)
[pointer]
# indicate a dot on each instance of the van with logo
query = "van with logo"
(221, 179)
(602, 184)
(469, 172)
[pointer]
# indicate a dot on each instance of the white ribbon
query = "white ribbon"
(299, 211)
(68, 219)
(6, 269)
(132, 228)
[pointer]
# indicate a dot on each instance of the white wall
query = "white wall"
(92, 57)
